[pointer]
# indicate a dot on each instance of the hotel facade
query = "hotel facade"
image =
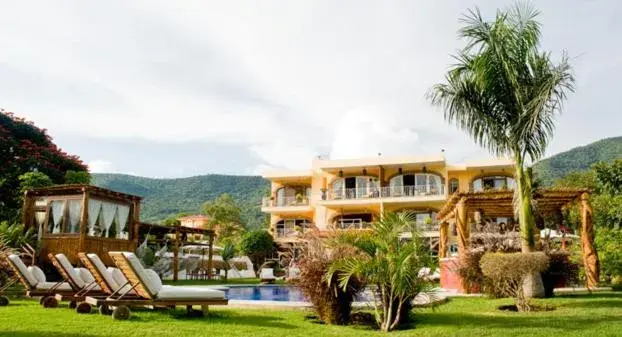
(350, 194)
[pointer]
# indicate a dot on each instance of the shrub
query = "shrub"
(508, 272)
(256, 245)
(332, 303)
(561, 270)
(474, 279)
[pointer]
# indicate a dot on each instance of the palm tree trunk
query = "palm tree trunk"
(526, 217)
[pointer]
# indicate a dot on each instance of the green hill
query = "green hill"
(578, 159)
(166, 197)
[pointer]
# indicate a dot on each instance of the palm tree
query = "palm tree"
(505, 93)
(228, 253)
(387, 263)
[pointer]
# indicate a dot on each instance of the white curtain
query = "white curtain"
(75, 212)
(94, 209)
(58, 209)
(123, 211)
(109, 211)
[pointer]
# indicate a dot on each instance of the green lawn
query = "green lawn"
(580, 315)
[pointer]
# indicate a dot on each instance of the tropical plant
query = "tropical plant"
(388, 264)
(257, 245)
(332, 303)
(229, 251)
(505, 93)
(16, 236)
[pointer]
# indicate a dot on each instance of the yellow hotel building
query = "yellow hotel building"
(349, 194)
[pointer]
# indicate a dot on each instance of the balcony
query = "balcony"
(286, 205)
(349, 224)
(290, 231)
(412, 192)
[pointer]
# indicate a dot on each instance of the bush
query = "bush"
(474, 279)
(257, 245)
(561, 271)
(508, 272)
(332, 304)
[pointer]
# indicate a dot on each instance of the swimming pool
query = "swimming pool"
(279, 293)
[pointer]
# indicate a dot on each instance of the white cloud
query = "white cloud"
(286, 80)
(101, 166)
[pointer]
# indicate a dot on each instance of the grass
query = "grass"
(250, 281)
(578, 315)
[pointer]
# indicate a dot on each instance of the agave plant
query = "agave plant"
(388, 262)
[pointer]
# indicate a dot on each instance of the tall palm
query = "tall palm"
(386, 263)
(505, 93)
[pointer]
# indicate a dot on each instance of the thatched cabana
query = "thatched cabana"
(82, 218)
(461, 208)
(179, 236)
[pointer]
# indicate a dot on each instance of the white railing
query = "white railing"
(284, 202)
(351, 224)
(387, 192)
(290, 232)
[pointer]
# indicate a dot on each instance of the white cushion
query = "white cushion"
(97, 262)
(37, 273)
(152, 287)
(48, 285)
(32, 281)
(154, 277)
(194, 293)
(75, 277)
(266, 273)
(88, 279)
(120, 282)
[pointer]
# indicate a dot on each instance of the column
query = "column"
(590, 257)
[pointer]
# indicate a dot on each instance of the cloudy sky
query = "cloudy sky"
(180, 88)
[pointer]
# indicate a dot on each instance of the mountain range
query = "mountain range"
(166, 197)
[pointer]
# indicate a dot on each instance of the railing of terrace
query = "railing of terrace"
(387, 192)
(284, 201)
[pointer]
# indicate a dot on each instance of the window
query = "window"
(291, 227)
(497, 183)
(63, 216)
(453, 250)
(353, 221)
(415, 184)
(108, 219)
(355, 187)
(453, 185)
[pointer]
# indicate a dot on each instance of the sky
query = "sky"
(183, 88)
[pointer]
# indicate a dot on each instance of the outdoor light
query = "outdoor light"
(425, 169)
(399, 170)
(364, 172)
(340, 173)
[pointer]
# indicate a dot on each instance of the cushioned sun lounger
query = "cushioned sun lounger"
(150, 291)
(35, 283)
(81, 281)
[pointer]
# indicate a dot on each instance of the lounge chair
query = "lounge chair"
(35, 282)
(150, 291)
(267, 275)
(81, 281)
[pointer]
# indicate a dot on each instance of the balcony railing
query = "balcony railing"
(284, 202)
(386, 192)
(290, 232)
(351, 224)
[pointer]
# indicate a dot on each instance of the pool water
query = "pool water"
(281, 293)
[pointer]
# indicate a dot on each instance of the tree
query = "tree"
(257, 245)
(228, 253)
(505, 93)
(224, 217)
(388, 264)
(77, 177)
(25, 148)
(31, 180)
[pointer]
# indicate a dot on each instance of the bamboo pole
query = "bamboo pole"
(210, 253)
(462, 228)
(442, 245)
(590, 257)
(176, 256)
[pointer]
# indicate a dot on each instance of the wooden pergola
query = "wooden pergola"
(461, 207)
(178, 235)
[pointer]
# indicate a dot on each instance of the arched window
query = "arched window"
(292, 196)
(453, 185)
(498, 183)
(357, 187)
(416, 184)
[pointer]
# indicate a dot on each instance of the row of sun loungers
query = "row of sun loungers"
(112, 290)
